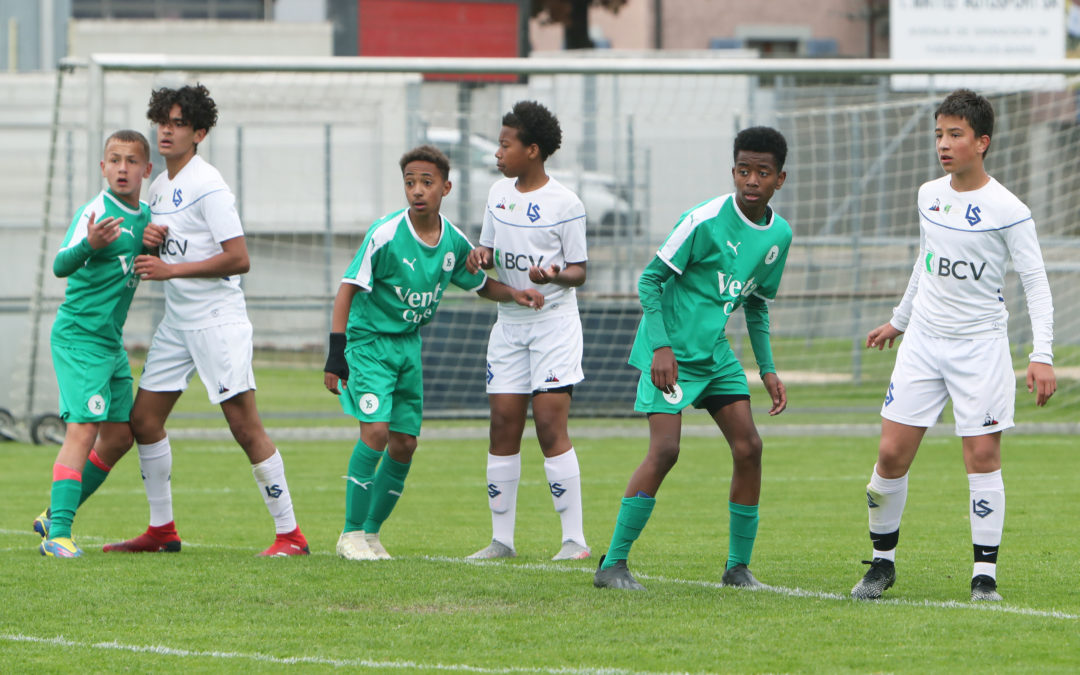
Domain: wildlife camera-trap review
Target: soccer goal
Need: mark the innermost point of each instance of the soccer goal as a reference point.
(310, 148)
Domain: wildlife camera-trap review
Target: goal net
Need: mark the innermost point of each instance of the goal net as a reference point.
(310, 148)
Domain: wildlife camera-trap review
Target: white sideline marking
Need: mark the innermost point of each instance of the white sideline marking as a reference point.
(319, 660)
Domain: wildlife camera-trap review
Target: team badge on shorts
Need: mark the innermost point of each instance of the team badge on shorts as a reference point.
(771, 256)
(448, 261)
(369, 403)
(675, 397)
(96, 404)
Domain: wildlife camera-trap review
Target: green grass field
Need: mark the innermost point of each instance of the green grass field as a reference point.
(215, 607)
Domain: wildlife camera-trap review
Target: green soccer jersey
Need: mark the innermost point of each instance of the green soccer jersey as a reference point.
(100, 283)
(713, 262)
(404, 278)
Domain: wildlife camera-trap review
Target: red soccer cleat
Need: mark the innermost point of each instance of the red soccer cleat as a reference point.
(156, 539)
(290, 543)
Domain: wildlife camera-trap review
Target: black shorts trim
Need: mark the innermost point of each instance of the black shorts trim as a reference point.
(568, 389)
(716, 401)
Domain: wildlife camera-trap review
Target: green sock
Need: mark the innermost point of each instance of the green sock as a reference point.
(92, 478)
(389, 483)
(358, 488)
(741, 533)
(64, 502)
(633, 514)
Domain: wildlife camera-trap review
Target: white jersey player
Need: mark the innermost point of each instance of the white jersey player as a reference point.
(955, 344)
(534, 236)
(201, 253)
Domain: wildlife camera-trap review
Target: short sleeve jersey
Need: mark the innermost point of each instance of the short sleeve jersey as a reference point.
(403, 278)
(542, 227)
(98, 294)
(966, 239)
(719, 258)
(200, 212)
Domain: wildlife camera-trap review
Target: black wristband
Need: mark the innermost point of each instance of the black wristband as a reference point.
(335, 358)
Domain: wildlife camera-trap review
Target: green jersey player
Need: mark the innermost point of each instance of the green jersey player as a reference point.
(393, 287)
(726, 253)
(97, 258)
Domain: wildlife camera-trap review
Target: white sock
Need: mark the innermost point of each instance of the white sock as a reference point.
(885, 498)
(503, 476)
(564, 481)
(155, 464)
(270, 477)
(987, 512)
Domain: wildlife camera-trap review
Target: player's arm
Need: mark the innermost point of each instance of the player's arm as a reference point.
(493, 289)
(336, 368)
(757, 327)
(98, 236)
(665, 368)
(233, 259)
(1023, 245)
(480, 258)
(571, 276)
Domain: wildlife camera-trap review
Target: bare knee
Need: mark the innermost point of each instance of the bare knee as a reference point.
(401, 447)
(746, 452)
(663, 454)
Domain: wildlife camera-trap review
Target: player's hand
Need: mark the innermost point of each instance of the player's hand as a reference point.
(530, 297)
(777, 391)
(1042, 381)
(479, 258)
(665, 370)
(101, 234)
(151, 268)
(154, 235)
(540, 275)
(885, 333)
(336, 368)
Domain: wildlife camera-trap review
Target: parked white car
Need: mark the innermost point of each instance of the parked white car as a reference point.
(608, 214)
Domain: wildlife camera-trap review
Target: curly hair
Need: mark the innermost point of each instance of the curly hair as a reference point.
(196, 106)
(765, 140)
(427, 153)
(535, 124)
(976, 109)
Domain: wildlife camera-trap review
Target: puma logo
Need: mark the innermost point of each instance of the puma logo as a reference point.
(410, 263)
(735, 247)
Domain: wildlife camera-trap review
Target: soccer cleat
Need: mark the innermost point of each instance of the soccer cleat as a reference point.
(496, 549)
(61, 547)
(880, 576)
(616, 576)
(740, 575)
(372, 540)
(984, 589)
(159, 539)
(571, 550)
(353, 546)
(43, 522)
(289, 543)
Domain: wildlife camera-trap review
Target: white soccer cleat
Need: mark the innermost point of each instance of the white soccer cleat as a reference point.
(375, 546)
(353, 546)
(496, 549)
(571, 550)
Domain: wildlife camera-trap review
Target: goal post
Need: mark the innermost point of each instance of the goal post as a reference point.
(310, 148)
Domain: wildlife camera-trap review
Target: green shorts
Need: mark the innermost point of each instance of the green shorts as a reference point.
(95, 385)
(730, 380)
(386, 381)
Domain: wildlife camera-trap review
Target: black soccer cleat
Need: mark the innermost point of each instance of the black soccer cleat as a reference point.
(740, 575)
(984, 589)
(616, 576)
(880, 576)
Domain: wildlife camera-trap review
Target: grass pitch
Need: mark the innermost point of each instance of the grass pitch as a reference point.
(215, 607)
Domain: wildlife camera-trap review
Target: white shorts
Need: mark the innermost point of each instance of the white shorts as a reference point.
(221, 354)
(976, 374)
(538, 356)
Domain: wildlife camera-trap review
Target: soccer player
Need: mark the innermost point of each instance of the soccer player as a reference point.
(202, 253)
(955, 343)
(724, 253)
(393, 287)
(534, 236)
(97, 258)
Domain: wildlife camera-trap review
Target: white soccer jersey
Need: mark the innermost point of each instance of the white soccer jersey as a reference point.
(542, 227)
(957, 287)
(200, 211)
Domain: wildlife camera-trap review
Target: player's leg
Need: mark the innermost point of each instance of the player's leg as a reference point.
(115, 437)
(508, 412)
(982, 459)
(387, 487)
(551, 410)
(66, 488)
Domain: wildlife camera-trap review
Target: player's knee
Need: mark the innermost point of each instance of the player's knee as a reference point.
(664, 455)
(747, 451)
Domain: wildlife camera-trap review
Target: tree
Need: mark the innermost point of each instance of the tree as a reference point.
(574, 17)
